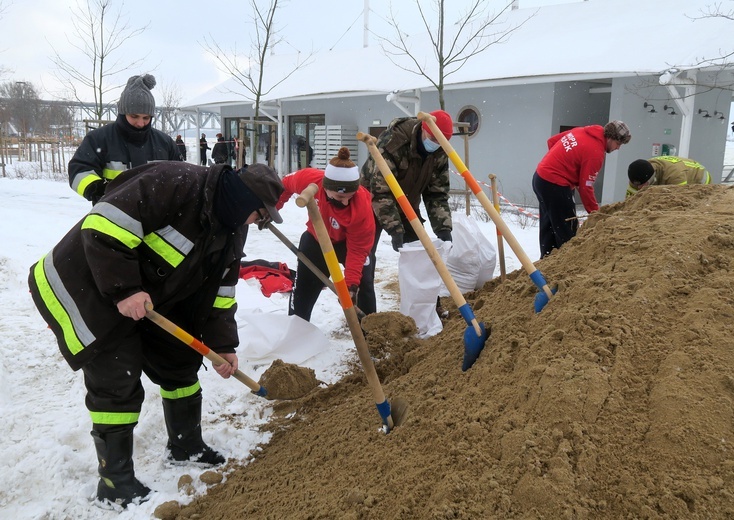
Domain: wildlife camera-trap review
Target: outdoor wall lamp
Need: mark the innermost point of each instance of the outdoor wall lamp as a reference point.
(719, 114)
(704, 112)
(652, 108)
(672, 110)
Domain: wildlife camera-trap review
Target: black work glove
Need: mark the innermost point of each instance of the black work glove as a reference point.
(397, 241)
(95, 191)
(263, 222)
(444, 234)
(353, 290)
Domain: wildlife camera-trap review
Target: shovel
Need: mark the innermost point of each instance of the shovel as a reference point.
(198, 346)
(500, 242)
(308, 263)
(390, 417)
(542, 298)
(475, 336)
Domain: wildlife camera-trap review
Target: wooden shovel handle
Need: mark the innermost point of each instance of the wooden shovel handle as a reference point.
(483, 199)
(410, 214)
(500, 242)
(305, 199)
(308, 263)
(198, 346)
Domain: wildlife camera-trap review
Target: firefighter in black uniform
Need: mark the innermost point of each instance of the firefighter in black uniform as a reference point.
(128, 142)
(167, 233)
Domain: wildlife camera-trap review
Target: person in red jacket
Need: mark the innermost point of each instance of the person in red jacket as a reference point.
(346, 208)
(573, 161)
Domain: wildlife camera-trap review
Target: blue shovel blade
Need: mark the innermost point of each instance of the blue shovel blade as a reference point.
(541, 299)
(473, 345)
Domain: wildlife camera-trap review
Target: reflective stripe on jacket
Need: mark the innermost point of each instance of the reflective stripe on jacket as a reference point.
(104, 154)
(154, 230)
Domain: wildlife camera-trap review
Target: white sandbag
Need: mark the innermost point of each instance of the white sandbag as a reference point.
(419, 285)
(472, 258)
(267, 337)
(267, 334)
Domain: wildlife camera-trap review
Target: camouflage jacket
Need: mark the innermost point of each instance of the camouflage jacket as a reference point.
(420, 174)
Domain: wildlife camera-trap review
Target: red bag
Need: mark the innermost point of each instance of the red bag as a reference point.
(272, 279)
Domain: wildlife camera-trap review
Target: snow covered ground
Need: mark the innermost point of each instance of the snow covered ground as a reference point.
(49, 460)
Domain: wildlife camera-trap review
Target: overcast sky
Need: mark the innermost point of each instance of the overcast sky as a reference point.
(172, 47)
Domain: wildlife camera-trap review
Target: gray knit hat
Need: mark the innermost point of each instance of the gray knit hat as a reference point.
(136, 98)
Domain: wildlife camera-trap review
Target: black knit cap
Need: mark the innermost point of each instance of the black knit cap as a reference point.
(266, 185)
(136, 98)
(640, 171)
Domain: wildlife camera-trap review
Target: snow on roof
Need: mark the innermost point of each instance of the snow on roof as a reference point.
(594, 38)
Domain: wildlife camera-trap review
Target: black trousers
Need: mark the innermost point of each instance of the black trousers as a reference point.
(307, 286)
(558, 222)
(112, 378)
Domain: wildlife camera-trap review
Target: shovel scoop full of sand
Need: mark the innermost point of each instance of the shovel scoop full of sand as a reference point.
(287, 381)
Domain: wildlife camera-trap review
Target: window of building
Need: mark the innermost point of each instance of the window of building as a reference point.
(469, 115)
(301, 132)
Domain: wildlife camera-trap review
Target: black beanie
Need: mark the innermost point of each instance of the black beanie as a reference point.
(136, 98)
(233, 201)
(640, 171)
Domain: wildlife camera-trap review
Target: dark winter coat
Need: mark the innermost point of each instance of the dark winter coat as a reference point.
(420, 175)
(108, 151)
(181, 148)
(219, 152)
(153, 231)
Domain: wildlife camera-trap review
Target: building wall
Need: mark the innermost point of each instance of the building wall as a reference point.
(708, 135)
(517, 120)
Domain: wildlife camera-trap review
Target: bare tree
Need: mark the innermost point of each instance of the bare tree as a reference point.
(249, 69)
(54, 118)
(724, 59)
(452, 47)
(710, 73)
(99, 34)
(170, 102)
(22, 105)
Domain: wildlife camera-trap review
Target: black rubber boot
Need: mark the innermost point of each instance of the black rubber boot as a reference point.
(117, 484)
(183, 422)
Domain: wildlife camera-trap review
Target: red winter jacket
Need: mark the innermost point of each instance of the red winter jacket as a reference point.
(574, 159)
(355, 223)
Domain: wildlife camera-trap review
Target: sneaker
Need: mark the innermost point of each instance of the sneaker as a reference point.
(205, 455)
(122, 494)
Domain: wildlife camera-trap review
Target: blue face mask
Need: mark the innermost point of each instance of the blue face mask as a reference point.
(430, 146)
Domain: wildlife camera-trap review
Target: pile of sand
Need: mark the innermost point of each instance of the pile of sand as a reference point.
(614, 402)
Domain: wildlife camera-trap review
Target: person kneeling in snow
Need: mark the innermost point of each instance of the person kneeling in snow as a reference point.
(346, 209)
(665, 170)
(170, 234)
